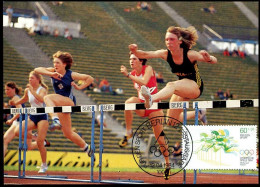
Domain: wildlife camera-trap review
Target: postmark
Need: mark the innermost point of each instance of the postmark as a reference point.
(150, 152)
(223, 147)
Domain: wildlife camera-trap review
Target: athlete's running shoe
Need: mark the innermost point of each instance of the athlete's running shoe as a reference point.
(147, 96)
(47, 143)
(124, 141)
(89, 152)
(43, 168)
(55, 125)
(203, 117)
(167, 172)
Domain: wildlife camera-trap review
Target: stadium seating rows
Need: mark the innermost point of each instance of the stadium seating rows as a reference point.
(106, 43)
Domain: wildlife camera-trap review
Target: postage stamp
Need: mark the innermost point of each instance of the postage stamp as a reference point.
(151, 155)
(223, 147)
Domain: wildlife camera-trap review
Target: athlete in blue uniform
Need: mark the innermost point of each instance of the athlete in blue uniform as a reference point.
(34, 93)
(63, 81)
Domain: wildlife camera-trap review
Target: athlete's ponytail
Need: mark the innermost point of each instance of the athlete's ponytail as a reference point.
(18, 90)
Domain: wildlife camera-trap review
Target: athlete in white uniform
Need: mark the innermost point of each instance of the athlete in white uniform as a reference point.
(34, 93)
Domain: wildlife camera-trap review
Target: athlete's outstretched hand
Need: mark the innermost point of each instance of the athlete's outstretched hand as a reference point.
(124, 70)
(133, 48)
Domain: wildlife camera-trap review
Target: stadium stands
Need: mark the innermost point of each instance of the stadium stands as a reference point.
(105, 48)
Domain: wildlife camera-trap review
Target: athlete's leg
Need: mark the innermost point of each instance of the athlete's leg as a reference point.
(178, 113)
(129, 120)
(65, 118)
(9, 136)
(129, 114)
(42, 128)
(184, 88)
(30, 127)
(157, 130)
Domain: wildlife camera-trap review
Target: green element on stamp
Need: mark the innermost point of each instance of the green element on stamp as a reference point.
(216, 141)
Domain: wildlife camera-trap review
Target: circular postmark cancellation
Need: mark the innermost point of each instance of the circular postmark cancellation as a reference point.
(174, 144)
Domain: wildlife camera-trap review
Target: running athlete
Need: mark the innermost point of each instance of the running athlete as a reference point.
(63, 81)
(144, 75)
(12, 91)
(34, 93)
(183, 62)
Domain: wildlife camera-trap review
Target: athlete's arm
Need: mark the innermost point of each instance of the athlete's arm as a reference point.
(10, 121)
(141, 81)
(39, 96)
(49, 72)
(202, 56)
(18, 102)
(87, 80)
(162, 53)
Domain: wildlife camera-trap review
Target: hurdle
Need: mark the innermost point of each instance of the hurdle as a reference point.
(112, 107)
(62, 109)
(140, 106)
(33, 110)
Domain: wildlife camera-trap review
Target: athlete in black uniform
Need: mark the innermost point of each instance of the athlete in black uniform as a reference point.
(183, 62)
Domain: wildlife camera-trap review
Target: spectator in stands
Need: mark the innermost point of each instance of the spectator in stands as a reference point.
(159, 78)
(177, 149)
(234, 53)
(37, 29)
(241, 54)
(95, 85)
(56, 32)
(67, 34)
(105, 86)
(226, 52)
(228, 95)
(138, 6)
(220, 94)
(98, 120)
(210, 9)
(146, 6)
(9, 11)
(57, 3)
(46, 30)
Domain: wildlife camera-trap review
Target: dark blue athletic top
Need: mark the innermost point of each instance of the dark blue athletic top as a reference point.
(63, 86)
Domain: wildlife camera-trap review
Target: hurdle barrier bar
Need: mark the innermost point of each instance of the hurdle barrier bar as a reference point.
(134, 106)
